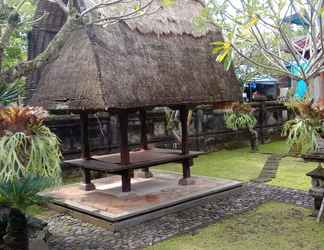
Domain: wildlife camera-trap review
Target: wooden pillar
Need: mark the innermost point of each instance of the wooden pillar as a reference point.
(143, 118)
(123, 129)
(186, 180)
(85, 151)
(262, 118)
(126, 180)
(146, 173)
(198, 127)
(124, 151)
(184, 128)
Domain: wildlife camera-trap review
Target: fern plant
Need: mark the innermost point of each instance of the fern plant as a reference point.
(303, 131)
(26, 145)
(302, 135)
(240, 117)
(235, 120)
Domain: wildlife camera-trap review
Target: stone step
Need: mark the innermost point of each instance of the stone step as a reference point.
(269, 170)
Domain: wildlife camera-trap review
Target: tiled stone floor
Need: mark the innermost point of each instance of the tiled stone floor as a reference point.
(71, 233)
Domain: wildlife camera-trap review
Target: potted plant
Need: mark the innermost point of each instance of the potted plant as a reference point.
(29, 162)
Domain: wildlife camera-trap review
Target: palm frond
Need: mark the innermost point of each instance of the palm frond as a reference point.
(9, 93)
(23, 192)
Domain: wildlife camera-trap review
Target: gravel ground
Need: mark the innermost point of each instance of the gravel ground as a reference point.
(70, 233)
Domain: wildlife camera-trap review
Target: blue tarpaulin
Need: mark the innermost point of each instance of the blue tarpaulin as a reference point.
(301, 89)
(296, 19)
(301, 86)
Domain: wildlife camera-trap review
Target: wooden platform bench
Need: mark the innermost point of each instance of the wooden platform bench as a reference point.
(125, 162)
(142, 159)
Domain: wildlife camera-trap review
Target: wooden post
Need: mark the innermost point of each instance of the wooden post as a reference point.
(123, 129)
(146, 173)
(126, 180)
(186, 180)
(262, 117)
(184, 128)
(124, 151)
(85, 151)
(198, 127)
(143, 117)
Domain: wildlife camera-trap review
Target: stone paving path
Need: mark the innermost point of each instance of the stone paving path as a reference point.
(269, 169)
(71, 233)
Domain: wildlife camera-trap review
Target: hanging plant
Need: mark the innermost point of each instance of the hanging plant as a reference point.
(240, 117)
(302, 135)
(303, 131)
(27, 146)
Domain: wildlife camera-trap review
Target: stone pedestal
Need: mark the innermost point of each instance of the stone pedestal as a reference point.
(318, 194)
(317, 189)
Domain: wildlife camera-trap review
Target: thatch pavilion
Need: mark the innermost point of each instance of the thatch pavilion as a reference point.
(131, 66)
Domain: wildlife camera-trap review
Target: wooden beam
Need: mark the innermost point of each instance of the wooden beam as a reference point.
(146, 173)
(184, 128)
(186, 180)
(126, 181)
(85, 151)
(143, 118)
(262, 117)
(123, 129)
(124, 151)
(85, 146)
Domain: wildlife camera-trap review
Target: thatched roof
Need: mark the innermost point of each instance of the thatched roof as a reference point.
(157, 60)
(42, 33)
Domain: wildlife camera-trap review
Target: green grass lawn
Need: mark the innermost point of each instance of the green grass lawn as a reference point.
(270, 226)
(241, 164)
(276, 147)
(292, 173)
(238, 164)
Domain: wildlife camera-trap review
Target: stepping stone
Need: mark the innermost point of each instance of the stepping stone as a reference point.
(269, 170)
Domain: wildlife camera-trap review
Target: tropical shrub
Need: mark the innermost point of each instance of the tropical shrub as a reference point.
(23, 193)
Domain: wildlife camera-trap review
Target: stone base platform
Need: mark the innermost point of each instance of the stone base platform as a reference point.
(150, 198)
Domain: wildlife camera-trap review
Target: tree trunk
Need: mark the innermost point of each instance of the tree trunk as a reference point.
(49, 54)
